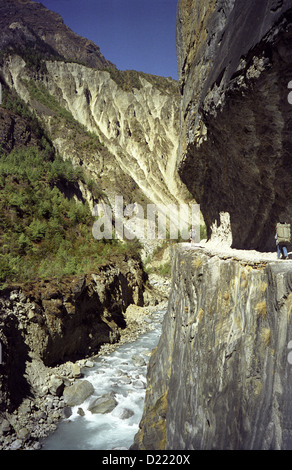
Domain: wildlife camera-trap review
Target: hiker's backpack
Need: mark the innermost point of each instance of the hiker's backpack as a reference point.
(283, 233)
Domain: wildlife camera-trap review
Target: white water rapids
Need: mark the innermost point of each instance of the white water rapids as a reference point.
(119, 373)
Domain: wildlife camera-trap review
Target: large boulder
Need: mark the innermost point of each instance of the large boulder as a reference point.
(56, 385)
(104, 404)
(78, 392)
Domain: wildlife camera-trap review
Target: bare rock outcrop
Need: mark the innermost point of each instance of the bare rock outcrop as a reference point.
(235, 140)
(15, 131)
(220, 377)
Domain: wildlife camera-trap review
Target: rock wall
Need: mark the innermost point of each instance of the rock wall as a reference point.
(57, 321)
(221, 377)
(15, 131)
(234, 61)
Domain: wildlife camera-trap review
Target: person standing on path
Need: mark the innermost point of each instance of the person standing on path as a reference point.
(282, 240)
(192, 234)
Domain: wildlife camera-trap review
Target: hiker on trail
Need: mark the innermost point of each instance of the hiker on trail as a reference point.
(282, 237)
(192, 234)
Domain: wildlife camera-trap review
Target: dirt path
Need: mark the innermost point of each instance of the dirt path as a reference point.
(224, 251)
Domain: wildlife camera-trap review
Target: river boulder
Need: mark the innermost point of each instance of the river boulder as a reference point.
(104, 404)
(78, 392)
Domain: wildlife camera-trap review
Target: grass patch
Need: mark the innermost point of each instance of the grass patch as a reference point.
(164, 269)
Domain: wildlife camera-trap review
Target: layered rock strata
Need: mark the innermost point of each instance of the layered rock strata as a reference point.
(221, 376)
(235, 140)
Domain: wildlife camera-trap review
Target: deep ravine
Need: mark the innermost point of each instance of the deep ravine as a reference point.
(122, 374)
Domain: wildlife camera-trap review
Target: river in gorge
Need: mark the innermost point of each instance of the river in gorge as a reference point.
(122, 374)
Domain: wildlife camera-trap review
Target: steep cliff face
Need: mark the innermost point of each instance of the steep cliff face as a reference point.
(220, 377)
(235, 145)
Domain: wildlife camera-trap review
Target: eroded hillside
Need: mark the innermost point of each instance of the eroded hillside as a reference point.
(138, 128)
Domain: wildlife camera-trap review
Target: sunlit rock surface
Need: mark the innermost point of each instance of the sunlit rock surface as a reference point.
(139, 129)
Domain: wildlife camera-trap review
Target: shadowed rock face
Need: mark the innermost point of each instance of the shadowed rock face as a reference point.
(235, 143)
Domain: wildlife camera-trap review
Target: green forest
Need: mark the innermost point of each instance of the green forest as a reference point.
(43, 233)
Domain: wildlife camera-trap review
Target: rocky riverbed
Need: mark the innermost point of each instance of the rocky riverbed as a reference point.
(115, 387)
(38, 416)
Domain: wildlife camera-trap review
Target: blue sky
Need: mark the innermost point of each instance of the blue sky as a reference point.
(133, 34)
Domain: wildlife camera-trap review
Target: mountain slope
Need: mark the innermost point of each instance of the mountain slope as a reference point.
(117, 130)
(45, 221)
(134, 116)
(27, 24)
